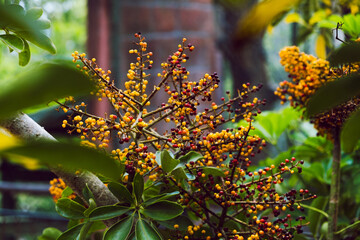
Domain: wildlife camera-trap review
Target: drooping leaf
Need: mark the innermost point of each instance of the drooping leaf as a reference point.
(39, 39)
(121, 192)
(13, 41)
(71, 233)
(70, 209)
(138, 186)
(190, 156)
(346, 53)
(24, 55)
(333, 94)
(162, 210)
(50, 233)
(107, 212)
(34, 13)
(350, 134)
(320, 47)
(144, 231)
(216, 172)
(120, 230)
(70, 156)
(49, 81)
(168, 163)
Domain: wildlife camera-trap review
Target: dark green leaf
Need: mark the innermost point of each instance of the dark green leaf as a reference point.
(70, 209)
(333, 94)
(13, 41)
(190, 156)
(132, 236)
(50, 234)
(162, 210)
(121, 230)
(39, 39)
(138, 186)
(84, 230)
(163, 196)
(350, 134)
(56, 80)
(24, 56)
(92, 206)
(87, 194)
(72, 233)
(347, 53)
(121, 192)
(34, 13)
(168, 163)
(107, 212)
(315, 216)
(216, 172)
(144, 231)
(71, 157)
(179, 173)
(181, 220)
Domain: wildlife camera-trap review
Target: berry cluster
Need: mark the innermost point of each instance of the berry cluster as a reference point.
(308, 74)
(218, 188)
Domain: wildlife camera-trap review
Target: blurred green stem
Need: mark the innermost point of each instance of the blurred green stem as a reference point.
(335, 186)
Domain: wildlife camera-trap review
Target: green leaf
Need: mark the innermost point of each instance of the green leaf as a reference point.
(144, 231)
(350, 134)
(107, 212)
(161, 197)
(121, 192)
(190, 156)
(179, 173)
(70, 209)
(56, 80)
(350, 226)
(66, 192)
(84, 230)
(25, 55)
(168, 163)
(121, 230)
(72, 233)
(39, 39)
(50, 234)
(162, 210)
(92, 206)
(138, 186)
(316, 213)
(71, 157)
(215, 172)
(333, 94)
(13, 41)
(351, 25)
(34, 13)
(180, 220)
(87, 194)
(43, 24)
(346, 53)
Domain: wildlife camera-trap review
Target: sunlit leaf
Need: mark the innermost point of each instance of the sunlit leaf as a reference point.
(24, 55)
(49, 81)
(144, 231)
(34, 13)
(317, 17)
(351, 25)
(320, 47)
(260, 16)
(39, 39)
(71, 157)
(333, 94)
(350, 134)
(121, 230)
(294, 18)
(13, 41)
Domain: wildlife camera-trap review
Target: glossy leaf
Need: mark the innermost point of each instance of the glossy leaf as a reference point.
(138, 186)
(107, 212)
(13, 41)
(190, 156)
(215, 172)
(120, 230)
(168, 163)
(71, 157)
(161, 197)
(56, 80)
(162, 210)
(144, 231)
(66, 192)
(50, 233)
(121, 192)
(350, 134)
(333, 94)
(70, 209)
(24, 55)
(72, 233)
(34, 13)
(346, 53)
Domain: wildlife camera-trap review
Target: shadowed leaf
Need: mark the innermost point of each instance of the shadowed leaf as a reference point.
(347, 53)
(163, 210)
(121, 230)
(144, 231)
(350, 134)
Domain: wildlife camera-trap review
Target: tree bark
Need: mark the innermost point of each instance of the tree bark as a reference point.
(28, 130)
